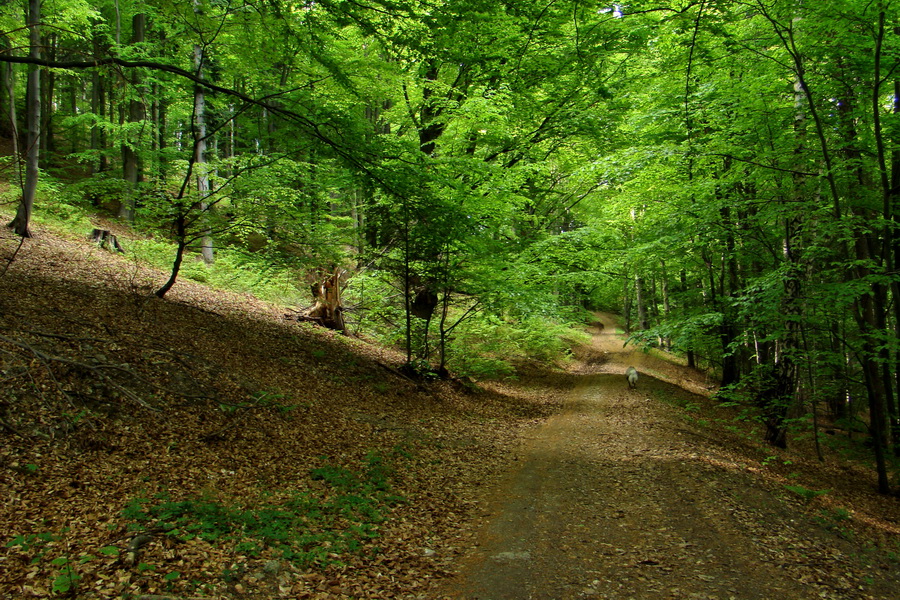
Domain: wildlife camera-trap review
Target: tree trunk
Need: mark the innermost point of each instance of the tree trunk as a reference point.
(48, 89)
(640, 300)
(895, 254)
(329, 308)
(667, 306)
(8, 126)
(131, 169)
(200, 142)
(778, 400)
(22, 220)
(181, 237)
(626, 303)
(9, 91)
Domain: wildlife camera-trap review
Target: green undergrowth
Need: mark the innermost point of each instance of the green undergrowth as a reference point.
(481, 343)
(233, 270)
(310, 527)
(61, 209)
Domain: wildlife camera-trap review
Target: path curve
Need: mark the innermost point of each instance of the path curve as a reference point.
(615, 497)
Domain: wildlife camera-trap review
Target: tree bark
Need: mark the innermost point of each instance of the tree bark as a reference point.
(131, 169)
(8, 126)
(200, 143)
(329, 309)
(48, 89)
(22, 220)
(9, 91)
(640, 300)
(181, 237)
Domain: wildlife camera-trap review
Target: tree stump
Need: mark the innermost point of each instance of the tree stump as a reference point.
(103, 237)
(328, 309)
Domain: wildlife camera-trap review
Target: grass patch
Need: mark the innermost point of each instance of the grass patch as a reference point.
(804, 492)
(306, 528)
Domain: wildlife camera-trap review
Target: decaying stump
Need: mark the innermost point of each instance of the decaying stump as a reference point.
(102, 237)
(328, 310)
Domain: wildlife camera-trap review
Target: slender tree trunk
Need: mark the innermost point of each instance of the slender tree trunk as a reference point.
(667, 306)
(691, 355)
(9, 91)
(131, 169)
(640, 301)
(626, 302)
(8, 126)
(778, 400)
(206, 248)
(22, 220)
(889, 179)
(865, 312)
(181, 238)
(48, 89)
(74, 85)
(895, 254)
(98, 107)
(200, 143)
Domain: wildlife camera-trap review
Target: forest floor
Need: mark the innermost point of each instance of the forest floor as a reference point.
(637, 493)
(175, 448)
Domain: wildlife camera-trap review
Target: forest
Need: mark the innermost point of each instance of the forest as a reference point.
(466, 179)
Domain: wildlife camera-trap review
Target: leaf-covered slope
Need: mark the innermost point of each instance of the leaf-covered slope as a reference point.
(157, 446)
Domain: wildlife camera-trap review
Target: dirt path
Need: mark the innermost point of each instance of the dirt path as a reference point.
(618, 497)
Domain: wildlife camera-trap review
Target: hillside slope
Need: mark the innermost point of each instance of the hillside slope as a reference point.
(114, 400)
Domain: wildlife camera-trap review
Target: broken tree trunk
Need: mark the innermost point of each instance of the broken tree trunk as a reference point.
(328, 309)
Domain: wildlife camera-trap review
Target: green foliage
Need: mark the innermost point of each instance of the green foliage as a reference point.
(493, 333)
(305, 527)
(405, 139)
(836, 521)
(804, 492)
(488, 346)
(61, 569)
(66, 582)
(103, 191)
(54, 206)
(36, 544)
(233, 270)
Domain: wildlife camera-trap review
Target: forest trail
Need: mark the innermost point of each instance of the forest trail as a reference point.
(618, 497)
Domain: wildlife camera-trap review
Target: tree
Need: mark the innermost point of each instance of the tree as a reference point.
(21, 222)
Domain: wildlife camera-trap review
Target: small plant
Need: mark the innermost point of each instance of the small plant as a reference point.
(804, 492)
(36, 542)
(67, 580)
(838, 514)
(143, 567)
